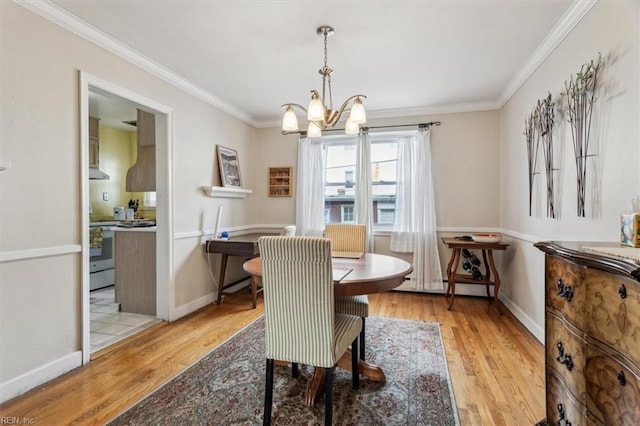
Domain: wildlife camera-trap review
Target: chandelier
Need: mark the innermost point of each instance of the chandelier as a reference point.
(319, 115)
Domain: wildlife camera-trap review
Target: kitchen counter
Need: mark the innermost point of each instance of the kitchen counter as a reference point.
(135, 269)
(135, 229)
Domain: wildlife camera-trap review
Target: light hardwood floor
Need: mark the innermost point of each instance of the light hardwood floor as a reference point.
(496, 365)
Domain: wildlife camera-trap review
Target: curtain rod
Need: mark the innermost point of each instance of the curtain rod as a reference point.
(366, 129)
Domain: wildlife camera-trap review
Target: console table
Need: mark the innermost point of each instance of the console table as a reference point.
(241, 245)
(453, 277)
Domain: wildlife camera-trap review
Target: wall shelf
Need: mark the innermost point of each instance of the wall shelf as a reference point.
(226, 192)
(4, 165)
(280, 181)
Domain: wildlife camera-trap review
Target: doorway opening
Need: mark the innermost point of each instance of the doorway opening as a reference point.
(105, 319)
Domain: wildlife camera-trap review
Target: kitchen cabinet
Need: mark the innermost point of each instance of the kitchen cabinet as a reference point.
(94, 143)
(280, 182)
(135, 265)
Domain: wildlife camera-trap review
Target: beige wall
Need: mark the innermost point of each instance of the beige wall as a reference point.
(40, 224)
(611, 28)
(115, 159)
(465, 154)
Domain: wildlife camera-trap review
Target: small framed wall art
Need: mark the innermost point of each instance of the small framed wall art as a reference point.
(229, 167)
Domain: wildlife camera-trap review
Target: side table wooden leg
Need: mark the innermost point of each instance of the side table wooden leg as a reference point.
(487, 271)
(452, 276)
(223, 269)
(496, 278)
(449, 269)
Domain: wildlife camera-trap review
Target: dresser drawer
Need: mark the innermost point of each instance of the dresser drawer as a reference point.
(562, 405)
(613, 311)
(565, 354)
(613, 391)
(565, 288)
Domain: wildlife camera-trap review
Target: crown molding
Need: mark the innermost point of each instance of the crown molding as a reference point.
(563, 27)
(409, 112)
(64, 19)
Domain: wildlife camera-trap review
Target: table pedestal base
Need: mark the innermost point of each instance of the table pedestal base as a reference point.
(316, 384)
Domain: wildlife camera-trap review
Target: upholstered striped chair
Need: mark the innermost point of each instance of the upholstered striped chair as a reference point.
(301, 325)
(350, 238)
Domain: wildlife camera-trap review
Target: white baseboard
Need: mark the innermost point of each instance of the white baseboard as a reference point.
(31, 379)
(205, 300)
(529, 324)
(192, 306)
(480, 291)
(461, 289)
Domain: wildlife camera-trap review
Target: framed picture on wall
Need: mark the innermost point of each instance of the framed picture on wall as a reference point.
(229, 166)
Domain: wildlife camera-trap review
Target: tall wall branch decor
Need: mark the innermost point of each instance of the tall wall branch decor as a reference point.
(580, 97)
(544, 118)
(532, 152)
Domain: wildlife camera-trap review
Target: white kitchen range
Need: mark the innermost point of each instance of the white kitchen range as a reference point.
(101, 272)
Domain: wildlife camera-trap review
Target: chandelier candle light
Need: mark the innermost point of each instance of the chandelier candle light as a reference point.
(319, 115)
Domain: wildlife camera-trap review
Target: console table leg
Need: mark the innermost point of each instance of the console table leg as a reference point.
(223, 268)
(254, 292)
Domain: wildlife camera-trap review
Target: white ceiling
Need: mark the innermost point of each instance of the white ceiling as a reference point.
(408, 57)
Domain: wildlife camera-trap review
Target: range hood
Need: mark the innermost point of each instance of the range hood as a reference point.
(97, 174)
(141, 177)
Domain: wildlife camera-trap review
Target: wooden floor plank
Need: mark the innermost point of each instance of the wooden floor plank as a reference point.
(496, 365)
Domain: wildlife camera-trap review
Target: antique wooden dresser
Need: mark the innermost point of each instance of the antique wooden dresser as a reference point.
(592, 334)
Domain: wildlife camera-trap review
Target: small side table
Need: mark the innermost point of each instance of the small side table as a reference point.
(487, 256)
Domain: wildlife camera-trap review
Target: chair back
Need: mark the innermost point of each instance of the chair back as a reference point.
(288, 231)
(297, 279)
(346, 236)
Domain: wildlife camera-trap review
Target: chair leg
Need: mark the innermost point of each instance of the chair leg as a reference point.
(268, 394)
(355, 370)
(328, 407)
(295, 372)
(362, 341)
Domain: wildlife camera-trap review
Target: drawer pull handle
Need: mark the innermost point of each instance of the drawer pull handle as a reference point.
(563, 358)
(622, 291)
(564, 290)
(561, 420)
(621, 379)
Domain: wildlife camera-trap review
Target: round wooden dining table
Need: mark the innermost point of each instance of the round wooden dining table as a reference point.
(368, 274)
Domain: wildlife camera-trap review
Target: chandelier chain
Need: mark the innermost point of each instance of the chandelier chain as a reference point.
(325, 49)
(326, 74)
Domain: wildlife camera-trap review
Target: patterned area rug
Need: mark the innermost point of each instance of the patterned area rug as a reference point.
(226, 387)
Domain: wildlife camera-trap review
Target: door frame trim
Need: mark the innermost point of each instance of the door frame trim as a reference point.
(164, 189)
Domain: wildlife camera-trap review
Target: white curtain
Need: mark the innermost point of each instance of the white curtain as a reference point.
(414, 227)
(310, 188)
(364, 197)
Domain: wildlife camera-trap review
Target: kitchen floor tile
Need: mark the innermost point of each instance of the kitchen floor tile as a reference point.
(109, 325)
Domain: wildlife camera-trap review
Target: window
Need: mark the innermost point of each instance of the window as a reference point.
(346, 214)
(385, 213)
(339, 195)
(149, 199)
